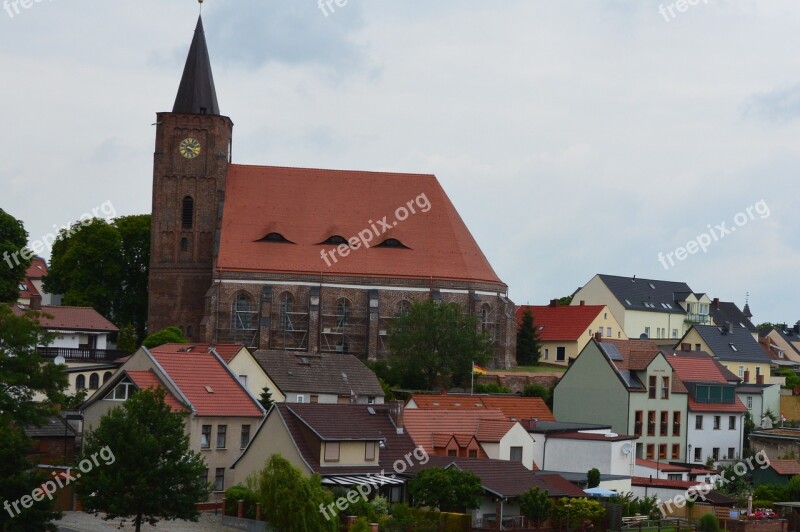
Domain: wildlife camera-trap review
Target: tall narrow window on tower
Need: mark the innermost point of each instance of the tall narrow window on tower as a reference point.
(187, 212)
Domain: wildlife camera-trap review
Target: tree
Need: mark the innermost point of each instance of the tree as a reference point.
(565, 301)
(126, 339)
(436, 342)
(13, 239)
(170, 335)
(105, 266)
(149, 472)
(528, 348)
(292, 502)
(537, 390)
(24, 376)
(576, 511)
(266, 398)
(593, 478)
(792, 489)
(449, 490)
(535, 505)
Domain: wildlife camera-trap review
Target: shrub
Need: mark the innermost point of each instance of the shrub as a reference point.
(234, 494)
(708, 523)
(361, 525)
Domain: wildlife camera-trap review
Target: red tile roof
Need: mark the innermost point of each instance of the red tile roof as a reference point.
(637, 354)
(558, 484)
(738, 406)
(696, 369)
(145, 380)
(512, 407)
(71, 318)
(561, 322)
(37, 269)
(308, 206)
(661, 466)
(785, 467)
(423, 424)
(225, 351)
(492, 431)
(207, 383)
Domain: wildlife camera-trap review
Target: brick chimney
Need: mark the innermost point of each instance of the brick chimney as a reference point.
(759, 379)
(396, 410)
(554, 302)
(715, 303)
(36, 302)
(598, 336)
(747, 375)
(582, 303)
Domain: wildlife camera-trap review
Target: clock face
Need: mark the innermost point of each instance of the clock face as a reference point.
(189, 148)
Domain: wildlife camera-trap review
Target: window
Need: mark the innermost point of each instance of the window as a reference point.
(184, 244)
(665, 387)
(342, 313)
(758, 371)
(698, 422)
(243, 380)
(205, 437)
(651, 451)
(651, 423)
(94, 381)
(676, 423)
(741, 372)
(608, 332)
(80, 382)
(222, 433)
(731, 453)
(485, 317)
(516, 454)
(369, 451)
(244, 313)
(749, 402)
(286, 308)
(301, 398)
(637, 423)
(313, 398)
(332, 451)
(546, 353)
(473, 453)
(733, 347)
(561, 354)
(698, 454)
(204, 476)
(717, 422)
(662, 451)
(451, 452)
(715, 454)
(647, 331)
(676, 451)
(731, 422)
(121, 392)
(664, 425)
(674, 333)
(107, 375)
(187, 212)
(219, 479)
(245, 436)
(698, 347)
(651, 386)
(674, 476)
(371, 400)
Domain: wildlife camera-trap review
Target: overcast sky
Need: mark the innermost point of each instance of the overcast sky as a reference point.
(574, 137)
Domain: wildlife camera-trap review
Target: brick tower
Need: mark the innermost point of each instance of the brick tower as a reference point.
(192, 153)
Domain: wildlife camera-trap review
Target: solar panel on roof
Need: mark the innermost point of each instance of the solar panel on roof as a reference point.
(611, 352)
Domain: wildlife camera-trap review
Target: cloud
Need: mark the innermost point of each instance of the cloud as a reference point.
(780, 105)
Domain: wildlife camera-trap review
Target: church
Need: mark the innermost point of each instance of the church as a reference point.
(300, 260)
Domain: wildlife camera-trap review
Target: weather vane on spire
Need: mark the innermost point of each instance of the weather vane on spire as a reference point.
(201, 6)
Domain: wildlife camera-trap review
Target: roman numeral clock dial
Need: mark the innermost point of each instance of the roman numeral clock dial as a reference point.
(189, 148)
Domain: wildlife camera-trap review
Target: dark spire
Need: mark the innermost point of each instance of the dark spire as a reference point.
(196, 93)
(746, 310)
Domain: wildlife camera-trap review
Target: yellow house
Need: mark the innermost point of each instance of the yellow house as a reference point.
(734, 347)
(565, 330)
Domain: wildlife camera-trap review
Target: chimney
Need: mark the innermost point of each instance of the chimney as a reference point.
(759, 379)
(686, 346)
(796, 327)
(530, 424)
(715, 303)
(583, 303)
(396, 413)
(747, 375)
(36, 302)
(598, 336)
(727, 328)
(553, 302)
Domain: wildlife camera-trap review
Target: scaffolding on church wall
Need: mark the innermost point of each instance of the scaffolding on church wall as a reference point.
(343, 329)
(289, 330)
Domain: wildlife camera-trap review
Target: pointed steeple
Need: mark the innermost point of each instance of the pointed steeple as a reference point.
(196, 93)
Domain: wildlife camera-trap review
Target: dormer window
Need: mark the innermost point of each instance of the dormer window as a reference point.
(392, 243)
(275, 238)
(121, 391)
(335, 240)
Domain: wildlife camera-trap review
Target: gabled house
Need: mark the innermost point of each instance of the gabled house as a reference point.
(647, 307)
(319, 378)
(778, 472)
(733, 346)
(347, 444)
(54, 441)
(513, 407)
(723, 312)
(470, 433)
(31, 291)
(565, 330)
(222, 414)
(787, 339)
(630, 386)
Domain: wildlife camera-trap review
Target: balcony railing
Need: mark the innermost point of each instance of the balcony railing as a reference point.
(72, 354)
(700, 319)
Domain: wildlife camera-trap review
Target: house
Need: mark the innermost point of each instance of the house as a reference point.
(31, 291)
(778, 472)
(758, 398)
(472, 433)
(579, 451)
(776, 442)
(674, 471)
(512, 406)
(629, 385)
(503, 482)
(565, 330)
(647, 307)
(723, 312)
(297, 377)
(734, 347)
(347, 444)
(666, 491)
(787, 339)
(54, 441)
(223, 415)
(715, 416)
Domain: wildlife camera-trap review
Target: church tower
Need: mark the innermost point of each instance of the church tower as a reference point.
(192, 153)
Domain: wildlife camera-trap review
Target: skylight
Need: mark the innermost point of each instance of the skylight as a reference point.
(652, 286)
(391, 243)
(275, 238)
(733, 347)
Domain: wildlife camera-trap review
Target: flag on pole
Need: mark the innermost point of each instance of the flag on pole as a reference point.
(478, 370)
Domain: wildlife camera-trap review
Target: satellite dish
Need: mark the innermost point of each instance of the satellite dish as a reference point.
(59, 360)
(627, 448)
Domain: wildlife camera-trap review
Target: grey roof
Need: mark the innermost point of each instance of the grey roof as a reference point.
(635, 293)
(544, 427)
(319, 373)
(196, 93)
(54, 427)
(727, 311)
(736, 346)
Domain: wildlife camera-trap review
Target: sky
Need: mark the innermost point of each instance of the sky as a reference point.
(574, 137)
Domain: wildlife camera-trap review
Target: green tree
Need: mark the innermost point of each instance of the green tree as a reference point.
(126, 339)
(266, 399)
(528, 347)
(708, 523)
(23, 376)
(292, 502)
(593, 478)
(449, 490)
(576, 511)
(147, 470)
(170, 335)
(535, 505)
(565, 301)
(436, 342)
(792, 489)
(537, 390)
(134, 232)
(13, 239)
(492, 387)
